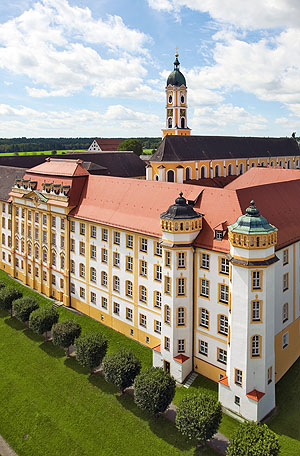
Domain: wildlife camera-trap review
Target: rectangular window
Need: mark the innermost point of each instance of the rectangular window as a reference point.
(256, 280)
(222, 355)
(82, 248)
(181, 316)
(53, 238)
(72, 267)
(157, 299)
(116, 284)
(93, 252)
(104, 255)
(224, 293)
(53, 222)
(129, 314)
(285, 340)
(143, 320)
(167, 285)
(143, 294)
(104, 278)
(223, 325)
(93, 274)
(104, 234)
(181, 286)
(181, 260)
(285, 256)
(23, 213)
(203, 348)
(158, 249)
(256, 311)
(62, 242)
(3, 208)
(62, 223)
(36, 217)
(129, 289)
(82, 292)
(53, 279)
(157, 326)
(93, 298)
(82, 229)
(129, 264)
(17, 212)
(167, 315)
(255, 347)
(204, 318)
(3, 222)
(237, 400)
(143, 245)
(116, 308)
(158, 273)
(224, 266)
(167, 343)
(181, 345)
(104, 302)
(72, 227)
(36, 235)
(116, 258)
(72, 245)
(93, 232)
(129, 241)
(270, 374)
(73, 288)
(218, 235)
(116, 237)
(44, 218)
(285, 312)
(143, 268)
(285, 285)
(82, 270)
(45, 256)
(53, 259)
(238, 377)
(204, 288)
(167, 259)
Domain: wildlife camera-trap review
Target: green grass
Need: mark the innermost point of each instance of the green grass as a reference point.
(45, 152)
(147, 151)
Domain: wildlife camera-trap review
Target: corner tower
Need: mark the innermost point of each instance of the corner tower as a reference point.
(180, 226)
(249, 386)
(176, 103)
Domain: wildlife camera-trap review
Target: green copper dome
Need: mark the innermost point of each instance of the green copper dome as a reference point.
(252, 223)
(176, 78)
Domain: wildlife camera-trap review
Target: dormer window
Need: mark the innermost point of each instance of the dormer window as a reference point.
(218, 235)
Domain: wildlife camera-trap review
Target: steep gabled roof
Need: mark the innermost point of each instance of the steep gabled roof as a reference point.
(108, 143)
(185, 148)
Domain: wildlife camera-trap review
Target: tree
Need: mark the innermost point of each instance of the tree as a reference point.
(253, 439)
(7, 296)
(132, 144)
(154, 390)
(198, 417)
(90, 350)
(64, 333)
(23, 307)
(42, 320)
(121, 368)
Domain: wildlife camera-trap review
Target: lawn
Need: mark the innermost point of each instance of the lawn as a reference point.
(51, 405)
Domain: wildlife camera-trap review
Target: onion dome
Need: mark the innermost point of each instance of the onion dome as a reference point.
(252, 230)
(180, 210)
(252, 222)
(176, 78)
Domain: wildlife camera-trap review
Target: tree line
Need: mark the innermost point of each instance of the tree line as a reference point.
(38, 144)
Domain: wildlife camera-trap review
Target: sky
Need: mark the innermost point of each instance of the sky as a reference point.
(98, 68)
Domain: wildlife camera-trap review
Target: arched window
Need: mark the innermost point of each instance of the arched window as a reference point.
(203, 172)
(170, 98)
(262, 164)
(297, 163)
(129, 288)
(182, 122)
(182, 99)
(272, 163)
(280, 163)
(170, 176)
(170, 122)
(217, 171)
(188, 173)
(93, 275)
(229, 170)
(255, 346)
(241, 168)
(156, 177)
(289, 164)
(252, 165)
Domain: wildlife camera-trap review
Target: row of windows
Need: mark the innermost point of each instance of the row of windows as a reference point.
(223, 263)
(223, 291)
(222, 321)
(221, 353)
(55, 220)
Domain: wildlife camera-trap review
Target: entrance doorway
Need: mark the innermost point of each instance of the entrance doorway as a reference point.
(167, 366)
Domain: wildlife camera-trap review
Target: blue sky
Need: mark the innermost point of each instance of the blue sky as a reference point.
(99, 67)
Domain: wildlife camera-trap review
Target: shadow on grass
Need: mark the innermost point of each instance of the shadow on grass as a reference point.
(14, 323)
(3, 314)
(33, 336)
(99, 381)
(73, 364)
(52, 350)
(160, 426)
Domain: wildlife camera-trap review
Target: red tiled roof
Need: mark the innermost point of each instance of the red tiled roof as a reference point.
(60, 167)
(224, 381)
(108, 144)
(269, 175)
(157, 348)
(255, 395)
(181, 358)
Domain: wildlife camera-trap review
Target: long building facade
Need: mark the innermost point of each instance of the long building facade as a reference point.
(205, 277)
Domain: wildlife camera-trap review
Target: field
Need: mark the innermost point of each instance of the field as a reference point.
(50, 405)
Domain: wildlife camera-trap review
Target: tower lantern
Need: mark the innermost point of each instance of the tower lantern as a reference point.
(176, 103)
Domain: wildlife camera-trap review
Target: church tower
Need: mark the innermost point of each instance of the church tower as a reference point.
(176, 103)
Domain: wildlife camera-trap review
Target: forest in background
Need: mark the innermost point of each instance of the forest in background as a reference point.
(40, 144)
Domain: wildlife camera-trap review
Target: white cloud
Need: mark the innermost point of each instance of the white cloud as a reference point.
(62, 49)
(24, 121)
(254, 14)
(226, 117)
